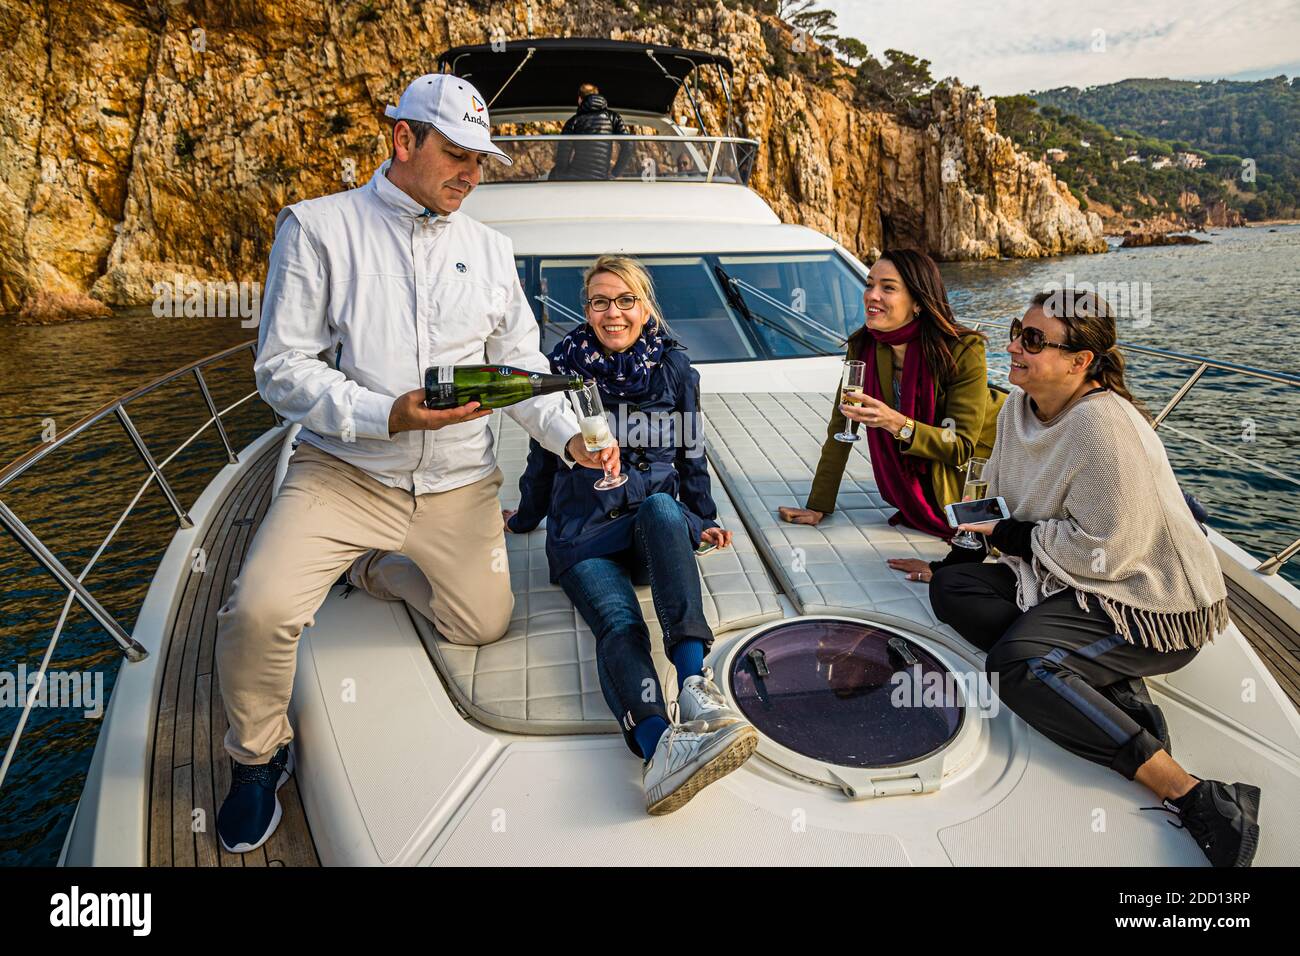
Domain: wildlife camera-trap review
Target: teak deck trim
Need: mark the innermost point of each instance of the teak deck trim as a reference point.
(191, 771)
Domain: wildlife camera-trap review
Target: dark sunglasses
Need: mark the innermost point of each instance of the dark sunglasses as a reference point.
(1033, 340)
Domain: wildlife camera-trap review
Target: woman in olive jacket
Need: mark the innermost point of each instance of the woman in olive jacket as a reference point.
(927, 405)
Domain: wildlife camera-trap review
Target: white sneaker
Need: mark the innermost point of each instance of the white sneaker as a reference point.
(701, 702)
(686, 761)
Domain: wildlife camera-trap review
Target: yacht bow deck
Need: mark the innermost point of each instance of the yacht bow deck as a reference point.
(762, 447)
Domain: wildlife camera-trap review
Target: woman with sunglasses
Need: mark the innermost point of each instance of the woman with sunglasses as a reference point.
(927, 405)
(1105, 576)
(600, 543)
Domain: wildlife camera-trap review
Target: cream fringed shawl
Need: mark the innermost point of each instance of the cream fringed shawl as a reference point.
(1112, 521)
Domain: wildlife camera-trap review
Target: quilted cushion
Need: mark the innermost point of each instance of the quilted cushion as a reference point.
(541, 677)
(765, 447)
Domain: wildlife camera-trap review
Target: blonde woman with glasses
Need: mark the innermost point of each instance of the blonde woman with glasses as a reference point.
(600, 543)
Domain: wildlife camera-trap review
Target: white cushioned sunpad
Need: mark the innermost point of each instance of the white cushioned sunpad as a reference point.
(765, 447)
(541, 677)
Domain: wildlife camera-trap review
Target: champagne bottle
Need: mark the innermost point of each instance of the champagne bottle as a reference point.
(492, 386)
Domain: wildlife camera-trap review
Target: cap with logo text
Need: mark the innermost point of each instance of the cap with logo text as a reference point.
(454, 107)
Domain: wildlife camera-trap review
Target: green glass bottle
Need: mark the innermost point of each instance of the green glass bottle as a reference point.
(492, 386)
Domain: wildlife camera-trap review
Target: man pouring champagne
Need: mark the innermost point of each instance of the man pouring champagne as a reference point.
(389, 279)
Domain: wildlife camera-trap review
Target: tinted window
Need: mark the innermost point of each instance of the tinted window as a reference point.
(801, 304)
(802, 294)
(837, 691)
(688, 294)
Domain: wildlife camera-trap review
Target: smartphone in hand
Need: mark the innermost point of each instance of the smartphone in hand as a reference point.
(977, 511)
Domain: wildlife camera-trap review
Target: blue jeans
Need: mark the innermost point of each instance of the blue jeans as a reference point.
(602, 591)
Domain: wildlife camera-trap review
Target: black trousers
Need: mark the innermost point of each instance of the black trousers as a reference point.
(1050, 662)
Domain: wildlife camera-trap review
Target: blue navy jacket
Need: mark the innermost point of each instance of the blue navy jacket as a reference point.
(583, 523)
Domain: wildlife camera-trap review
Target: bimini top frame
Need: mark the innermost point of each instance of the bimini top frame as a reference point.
(540, 75)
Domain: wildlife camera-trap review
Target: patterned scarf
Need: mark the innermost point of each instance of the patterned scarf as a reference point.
(623, 374)
(899, 476)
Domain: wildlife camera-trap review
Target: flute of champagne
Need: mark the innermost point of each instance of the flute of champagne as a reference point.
(853, 379)
(595, 428)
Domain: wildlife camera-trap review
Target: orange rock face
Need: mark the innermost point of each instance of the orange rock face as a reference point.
(144, 142)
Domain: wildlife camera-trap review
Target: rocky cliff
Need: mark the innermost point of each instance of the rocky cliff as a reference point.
(142, 141)
(1192, 214)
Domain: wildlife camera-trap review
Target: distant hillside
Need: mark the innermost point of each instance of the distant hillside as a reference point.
(1242, 120)
(1132, 181)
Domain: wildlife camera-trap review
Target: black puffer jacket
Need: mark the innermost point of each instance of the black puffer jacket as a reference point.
(589, 159)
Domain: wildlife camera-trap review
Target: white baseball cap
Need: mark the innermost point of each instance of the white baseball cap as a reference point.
(454, 107)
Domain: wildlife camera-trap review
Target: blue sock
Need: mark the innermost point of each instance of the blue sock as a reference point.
(647, 734)
(688, 658)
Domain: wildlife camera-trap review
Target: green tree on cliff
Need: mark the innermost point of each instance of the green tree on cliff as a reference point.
(900, 84)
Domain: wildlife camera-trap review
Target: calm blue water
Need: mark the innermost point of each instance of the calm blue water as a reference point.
(1237, 299)
(49, 377)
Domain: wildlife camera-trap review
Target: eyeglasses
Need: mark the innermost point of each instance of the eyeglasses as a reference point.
(1033, 340)
(600, 303)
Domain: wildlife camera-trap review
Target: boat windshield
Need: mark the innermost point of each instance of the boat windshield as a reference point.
(723, 308)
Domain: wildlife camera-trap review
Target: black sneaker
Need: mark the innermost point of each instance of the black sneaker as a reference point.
(1132, 697)
(251, 811)
(1223, 820)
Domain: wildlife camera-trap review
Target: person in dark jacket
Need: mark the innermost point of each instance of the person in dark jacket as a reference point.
(647, 531)
(590, 159)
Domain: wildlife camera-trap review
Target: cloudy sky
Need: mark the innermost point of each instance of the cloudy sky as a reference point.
(1014, 46)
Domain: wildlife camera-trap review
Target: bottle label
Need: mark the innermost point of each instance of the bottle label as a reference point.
(447, 385)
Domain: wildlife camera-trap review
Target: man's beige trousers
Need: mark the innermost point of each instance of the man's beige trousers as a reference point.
(327, 515)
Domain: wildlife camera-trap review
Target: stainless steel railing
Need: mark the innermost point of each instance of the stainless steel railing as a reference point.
(118, 408)
(1201, 365)
(75, 583)
(650, 158)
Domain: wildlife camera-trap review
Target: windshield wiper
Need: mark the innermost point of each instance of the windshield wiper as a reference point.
(731, 289)
(839, 340)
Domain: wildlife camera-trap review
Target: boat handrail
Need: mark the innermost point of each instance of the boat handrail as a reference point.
(560, 307)
(1271, 564)
(25, 461)
(131, 648)
(802, 318)
(708, 152)
(118, 407)
(656, 137)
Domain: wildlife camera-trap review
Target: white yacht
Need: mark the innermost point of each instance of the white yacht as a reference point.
(412, 750)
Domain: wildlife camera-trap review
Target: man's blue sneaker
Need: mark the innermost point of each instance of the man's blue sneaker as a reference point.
(251, 810)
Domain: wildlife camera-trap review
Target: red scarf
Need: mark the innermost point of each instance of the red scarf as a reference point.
(899, 476)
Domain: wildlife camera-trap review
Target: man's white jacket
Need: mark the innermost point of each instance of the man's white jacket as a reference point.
(363, 293)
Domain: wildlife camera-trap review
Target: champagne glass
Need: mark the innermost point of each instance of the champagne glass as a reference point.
(595, 428)
(853, 380)
(977, 486)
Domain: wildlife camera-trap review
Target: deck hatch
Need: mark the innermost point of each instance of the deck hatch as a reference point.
(851, 694)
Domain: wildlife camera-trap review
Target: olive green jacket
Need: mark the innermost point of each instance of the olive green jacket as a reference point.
(965, 424)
